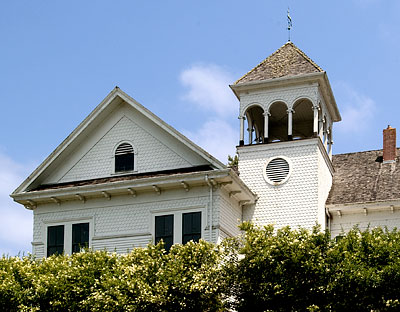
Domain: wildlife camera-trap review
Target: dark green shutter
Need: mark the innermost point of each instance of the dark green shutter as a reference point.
(80, 236)
(55, 240)
(164, 228)
(191, 227)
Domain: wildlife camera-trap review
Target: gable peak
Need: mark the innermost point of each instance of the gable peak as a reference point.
(287, 61)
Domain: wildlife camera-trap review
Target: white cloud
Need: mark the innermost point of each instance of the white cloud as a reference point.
(217, 137)
(208, 88)
(15, 221)
(357, 109)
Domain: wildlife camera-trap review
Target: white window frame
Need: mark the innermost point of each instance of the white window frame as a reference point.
(178, 221)
(67, 232)
(135, 153)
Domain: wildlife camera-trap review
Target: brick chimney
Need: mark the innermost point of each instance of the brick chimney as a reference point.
(389, 144)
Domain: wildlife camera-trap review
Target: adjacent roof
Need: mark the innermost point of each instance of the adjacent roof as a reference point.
(288, 60)
(362, 177)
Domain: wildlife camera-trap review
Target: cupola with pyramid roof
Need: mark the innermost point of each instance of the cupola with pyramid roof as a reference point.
(289, 68)
(288, 109)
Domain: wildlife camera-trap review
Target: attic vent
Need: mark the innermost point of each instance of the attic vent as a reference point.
(124, 158)
(277, 171)
(124, 148)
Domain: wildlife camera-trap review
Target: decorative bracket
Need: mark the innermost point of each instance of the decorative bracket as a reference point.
(56, 200)
(232, 193)
(31, 205)
(106, 195)
(185, 186)
(243, 202)
(81, 197)
(157, 189)
(132, 192)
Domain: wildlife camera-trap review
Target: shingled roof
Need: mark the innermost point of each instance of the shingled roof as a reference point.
(288, 60)
(360, 178)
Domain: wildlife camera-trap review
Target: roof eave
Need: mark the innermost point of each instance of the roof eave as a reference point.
(355, 207)
(329, 93)
(29, 199)
(276, 82)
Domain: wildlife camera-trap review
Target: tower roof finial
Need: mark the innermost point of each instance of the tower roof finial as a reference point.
(289, 21)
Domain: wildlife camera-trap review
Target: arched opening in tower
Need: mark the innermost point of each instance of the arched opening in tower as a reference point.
(255, 125)
(278, 122)
(303, 119)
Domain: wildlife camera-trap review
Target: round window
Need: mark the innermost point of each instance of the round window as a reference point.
(277, 170)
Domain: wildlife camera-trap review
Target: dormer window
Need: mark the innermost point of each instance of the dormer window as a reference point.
(124, 158)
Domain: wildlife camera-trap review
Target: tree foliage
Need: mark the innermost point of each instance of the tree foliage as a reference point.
(262, 270)
(301, 270)
(233, 162)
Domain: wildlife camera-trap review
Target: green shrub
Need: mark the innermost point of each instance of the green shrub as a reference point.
(147, 279)
(262, 270)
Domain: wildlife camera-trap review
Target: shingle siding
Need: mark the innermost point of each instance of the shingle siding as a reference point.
(293, 203)
(125, 222)
(152, 155)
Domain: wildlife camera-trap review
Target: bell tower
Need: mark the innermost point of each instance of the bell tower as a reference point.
(287, 110)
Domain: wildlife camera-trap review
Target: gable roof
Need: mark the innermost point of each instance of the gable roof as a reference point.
(112, 100)
(360, 178)
(288, 60)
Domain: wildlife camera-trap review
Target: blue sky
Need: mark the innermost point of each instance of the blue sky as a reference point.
(59, 59)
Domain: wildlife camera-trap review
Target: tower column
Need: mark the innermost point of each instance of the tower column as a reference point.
(315, 127)
(326, 138)
(266, 120)
(250, 130)
(290, 112)
(241, 142)
(321, 128)
(330, 143)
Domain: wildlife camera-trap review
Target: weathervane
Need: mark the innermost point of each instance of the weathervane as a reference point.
(289, 23)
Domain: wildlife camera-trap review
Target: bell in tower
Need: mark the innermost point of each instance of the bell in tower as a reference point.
(287, 110)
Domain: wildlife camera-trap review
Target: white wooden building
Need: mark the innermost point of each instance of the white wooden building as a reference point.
(124, 178)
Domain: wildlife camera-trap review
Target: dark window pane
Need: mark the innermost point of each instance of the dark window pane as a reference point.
(196, 222)
(165, 230)
(191, 228)
(187, 223)
(80, 236)
(124, 162)
(55, 240)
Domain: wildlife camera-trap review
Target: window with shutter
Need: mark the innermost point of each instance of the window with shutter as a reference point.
(80, 236)
(191, 227)
(164, 228)
(55, 240)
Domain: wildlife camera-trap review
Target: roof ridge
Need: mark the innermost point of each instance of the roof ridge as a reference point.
(360, 152)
